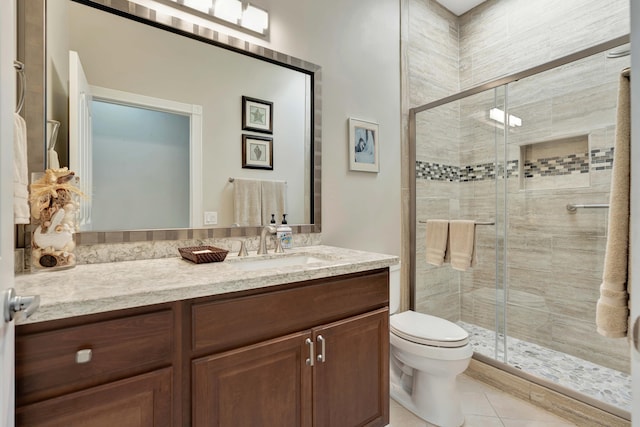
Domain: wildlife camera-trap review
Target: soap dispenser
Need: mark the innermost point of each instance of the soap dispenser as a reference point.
(285, 234)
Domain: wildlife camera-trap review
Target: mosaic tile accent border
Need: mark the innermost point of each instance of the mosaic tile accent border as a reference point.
(437, 172)
(604, 384)
(602, 158)
(598, 159)
(556, 166)
(480, 172)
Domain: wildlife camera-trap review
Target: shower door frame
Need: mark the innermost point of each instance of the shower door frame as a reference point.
(501, 81)
(493, 84)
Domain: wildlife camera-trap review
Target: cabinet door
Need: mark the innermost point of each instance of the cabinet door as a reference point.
(266, 384)
(351, 381)
(141, 401)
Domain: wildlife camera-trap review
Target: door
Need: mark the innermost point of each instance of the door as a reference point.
(80, 145)
(266, 384)
(351, 372)
(7, 106)
(144, 400)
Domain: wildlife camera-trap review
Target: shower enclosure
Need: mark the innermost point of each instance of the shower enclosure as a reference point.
(517, 155)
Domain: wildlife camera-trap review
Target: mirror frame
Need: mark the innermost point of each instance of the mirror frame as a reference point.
(35, 61)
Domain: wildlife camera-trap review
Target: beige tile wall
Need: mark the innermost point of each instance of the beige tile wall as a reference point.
(554, 259)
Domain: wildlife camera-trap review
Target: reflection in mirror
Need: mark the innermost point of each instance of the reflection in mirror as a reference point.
(182, 162)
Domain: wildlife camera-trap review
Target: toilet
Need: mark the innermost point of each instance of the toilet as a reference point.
(427, 354)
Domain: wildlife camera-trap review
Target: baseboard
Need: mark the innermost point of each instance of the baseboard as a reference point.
(563, 405)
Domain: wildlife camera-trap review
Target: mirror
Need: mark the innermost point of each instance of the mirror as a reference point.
(132, 59)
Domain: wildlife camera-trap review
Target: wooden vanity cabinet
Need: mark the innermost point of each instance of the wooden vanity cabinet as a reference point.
(110, 369)
(316, 354)
(311, 353)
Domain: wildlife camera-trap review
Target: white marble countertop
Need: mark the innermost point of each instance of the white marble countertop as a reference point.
(95, 288)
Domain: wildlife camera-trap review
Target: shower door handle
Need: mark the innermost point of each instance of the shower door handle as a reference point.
(635, 334)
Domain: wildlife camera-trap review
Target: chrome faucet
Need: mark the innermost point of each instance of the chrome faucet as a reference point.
(270, 229)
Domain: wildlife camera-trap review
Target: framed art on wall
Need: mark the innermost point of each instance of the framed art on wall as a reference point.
(363, 146)
(257, 115)
(257, 152)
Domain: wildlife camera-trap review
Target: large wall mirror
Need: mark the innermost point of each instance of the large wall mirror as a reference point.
(165, 137)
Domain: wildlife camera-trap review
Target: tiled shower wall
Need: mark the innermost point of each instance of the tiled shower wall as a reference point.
(554, 258)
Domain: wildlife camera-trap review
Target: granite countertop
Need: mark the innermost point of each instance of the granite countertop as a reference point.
(95, 288)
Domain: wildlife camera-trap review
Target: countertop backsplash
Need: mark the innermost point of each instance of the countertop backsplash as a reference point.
(131, 251)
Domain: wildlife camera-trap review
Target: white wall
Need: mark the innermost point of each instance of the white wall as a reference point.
(357, 44)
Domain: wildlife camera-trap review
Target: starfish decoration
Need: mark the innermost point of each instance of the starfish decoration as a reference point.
(257, 115)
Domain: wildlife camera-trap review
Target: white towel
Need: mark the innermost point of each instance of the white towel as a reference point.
(462, 244)
(52, 159)
(21, 213)
(436, 241)
(247, 202)
(274, 200)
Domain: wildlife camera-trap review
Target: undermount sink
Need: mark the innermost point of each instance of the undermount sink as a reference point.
(277, 262)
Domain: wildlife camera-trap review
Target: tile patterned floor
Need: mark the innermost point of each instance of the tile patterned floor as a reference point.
(485, 406)
(607, 385)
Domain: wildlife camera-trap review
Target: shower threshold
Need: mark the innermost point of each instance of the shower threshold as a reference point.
(607, 385)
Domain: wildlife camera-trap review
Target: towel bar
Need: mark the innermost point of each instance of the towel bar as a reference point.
(477, 222)
(573, 208)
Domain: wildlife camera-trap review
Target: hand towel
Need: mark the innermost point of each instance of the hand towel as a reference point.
(462, 244)
(274, 200)
(612, 308)
(52, 159)
(437, 239)
(247, 202)
(21, 213)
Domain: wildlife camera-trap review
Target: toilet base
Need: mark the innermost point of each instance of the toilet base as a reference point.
(438, 402)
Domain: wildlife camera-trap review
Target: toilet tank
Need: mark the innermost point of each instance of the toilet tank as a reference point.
(394, 288)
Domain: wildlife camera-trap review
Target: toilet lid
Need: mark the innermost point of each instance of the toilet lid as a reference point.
(428, 330)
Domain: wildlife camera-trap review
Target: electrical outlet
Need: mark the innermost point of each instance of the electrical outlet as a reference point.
(210, 218)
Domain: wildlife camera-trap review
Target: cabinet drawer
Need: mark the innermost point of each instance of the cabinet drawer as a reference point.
(226, 324)
(46, 363)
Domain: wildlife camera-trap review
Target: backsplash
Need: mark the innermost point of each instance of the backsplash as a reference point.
(138, 250)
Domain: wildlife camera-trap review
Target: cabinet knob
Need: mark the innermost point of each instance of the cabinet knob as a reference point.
(84, 356)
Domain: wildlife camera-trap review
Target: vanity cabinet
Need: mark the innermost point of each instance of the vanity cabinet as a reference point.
(311, 353)
(316, 354)
(99, 370)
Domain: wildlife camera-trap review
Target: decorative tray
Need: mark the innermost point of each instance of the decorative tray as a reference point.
(202, 254)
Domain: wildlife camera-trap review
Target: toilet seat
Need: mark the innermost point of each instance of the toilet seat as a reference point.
(428, 330)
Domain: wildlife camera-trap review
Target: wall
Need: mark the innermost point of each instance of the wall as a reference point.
(554, 258)
(356, 44)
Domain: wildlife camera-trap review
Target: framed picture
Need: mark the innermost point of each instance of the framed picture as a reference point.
(257, 115)
(363, 146)
(257, 152)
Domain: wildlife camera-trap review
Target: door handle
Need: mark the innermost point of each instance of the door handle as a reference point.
(312, 352)
(635, 334)
(322, 356)
(14, 304)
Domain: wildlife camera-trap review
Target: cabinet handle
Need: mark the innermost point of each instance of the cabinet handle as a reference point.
(84, 356)
(311, 351)
(322, 357)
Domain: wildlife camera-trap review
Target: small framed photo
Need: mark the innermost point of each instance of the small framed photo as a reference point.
(257, 115)
(257, 152)
(363, 146)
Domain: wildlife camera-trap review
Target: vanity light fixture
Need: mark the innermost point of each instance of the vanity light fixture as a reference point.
(228, 10)
(237, 14)
(498, 115)
(201, 5)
